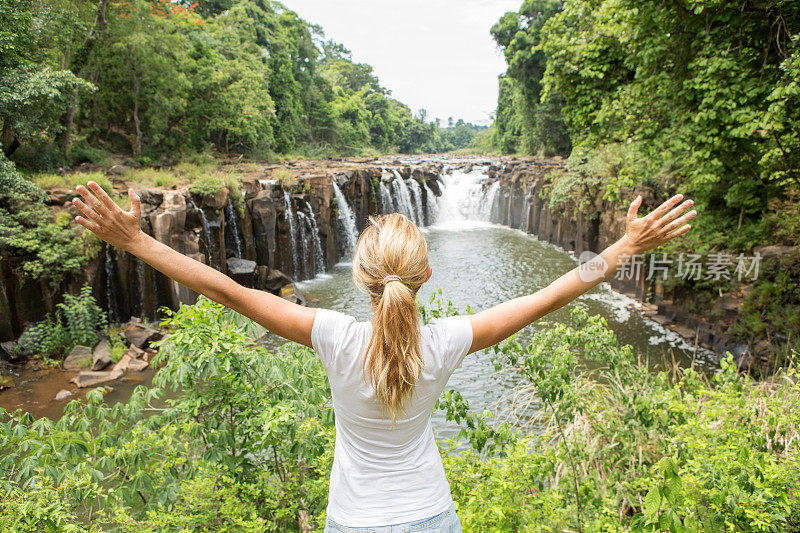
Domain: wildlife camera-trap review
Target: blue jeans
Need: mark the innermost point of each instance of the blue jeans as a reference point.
(446, 522)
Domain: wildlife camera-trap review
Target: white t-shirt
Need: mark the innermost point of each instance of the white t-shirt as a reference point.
(383, 475)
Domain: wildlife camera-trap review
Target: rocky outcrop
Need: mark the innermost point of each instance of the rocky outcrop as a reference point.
(524, 202)
(282, 226)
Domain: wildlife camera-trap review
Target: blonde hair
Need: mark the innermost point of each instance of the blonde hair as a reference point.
(390, 265)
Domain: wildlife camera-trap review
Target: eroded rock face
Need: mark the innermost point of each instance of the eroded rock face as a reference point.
(196, 225)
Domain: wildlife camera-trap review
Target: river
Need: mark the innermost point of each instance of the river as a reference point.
(475, 263)
(480, 264)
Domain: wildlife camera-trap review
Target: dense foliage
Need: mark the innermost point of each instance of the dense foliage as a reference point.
(247, 445)
(157, 78)
(699, 98)
(77, 320)
(44, 247)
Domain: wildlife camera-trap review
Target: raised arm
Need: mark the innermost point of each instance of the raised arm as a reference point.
(122, 229)
(666, 222)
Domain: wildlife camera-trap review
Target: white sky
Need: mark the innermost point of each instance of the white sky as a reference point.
(436, 54)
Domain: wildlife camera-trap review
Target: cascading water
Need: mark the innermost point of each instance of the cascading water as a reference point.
(347, 218)
(402, 197)
(430, 202)
(206, 234)
(417, 193)
(303, 229)
(153, 274)
(232, 218)
(464, 203)
(490, 199)
(140, 282)
(111, 293)
(292, 231)
(387, 205)
(319, 258)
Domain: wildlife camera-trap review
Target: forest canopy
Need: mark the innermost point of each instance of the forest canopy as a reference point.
(158, 79)
(701, 96)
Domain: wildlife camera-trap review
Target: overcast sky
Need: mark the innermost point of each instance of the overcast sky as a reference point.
(436, 54)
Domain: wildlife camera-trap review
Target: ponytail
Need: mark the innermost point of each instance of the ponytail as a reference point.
(390, 264)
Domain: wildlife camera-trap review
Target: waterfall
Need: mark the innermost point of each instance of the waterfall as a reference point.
(153, 275)
(403, 197)
(232, 218)
(430, 201)
(111, 294)
(303, 229)
(490, 199)
(206, 233)
(140, 282)
(292, 230)
(464, 203)
(417, 190)
(319, 258)
(347, 217)
(387, 205)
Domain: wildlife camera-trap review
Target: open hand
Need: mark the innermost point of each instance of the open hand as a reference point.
(106, 219)
(660, 226)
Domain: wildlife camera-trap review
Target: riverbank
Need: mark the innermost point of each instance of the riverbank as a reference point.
(270, 226)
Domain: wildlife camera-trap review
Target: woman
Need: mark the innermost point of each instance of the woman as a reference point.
(385, 374)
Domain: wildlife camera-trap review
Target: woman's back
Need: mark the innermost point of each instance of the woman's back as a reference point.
(383, 474)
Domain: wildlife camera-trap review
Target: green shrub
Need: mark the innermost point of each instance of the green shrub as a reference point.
(207, 185)
(78, 320)
(617, 447)
(83, 153)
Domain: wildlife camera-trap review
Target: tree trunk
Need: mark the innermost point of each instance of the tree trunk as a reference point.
(137, 144)
(9, 140)
(78, 64)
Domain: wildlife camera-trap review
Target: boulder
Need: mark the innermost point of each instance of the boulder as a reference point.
(60, 196)
(129, 363)
(275, 281)
(775, 250)
(242, 271)
(119, 170)
(63, 394)
(90, 378)
(9, 351)
(139, 335)
(101, 355)
(288, 292)
(727, 302)
(79, 358)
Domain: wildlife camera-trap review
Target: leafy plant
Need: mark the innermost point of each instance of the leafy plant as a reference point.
(77, 320)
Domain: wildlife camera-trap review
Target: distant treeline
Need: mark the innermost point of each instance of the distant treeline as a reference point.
(156, 79)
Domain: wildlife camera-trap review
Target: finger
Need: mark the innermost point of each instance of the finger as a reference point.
(91, 200)
(666, 206)
(103, 195)
(633, 210)
(681, 221)
(136, 203)
(679, 231)
(86, 210)
(88, 224)
(675, 213)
